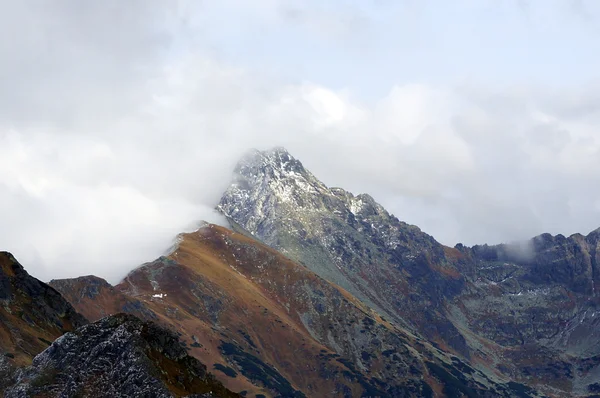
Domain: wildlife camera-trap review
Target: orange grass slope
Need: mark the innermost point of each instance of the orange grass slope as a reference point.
(243, 306)
(264, 324)
(200, 291)
(95, 298)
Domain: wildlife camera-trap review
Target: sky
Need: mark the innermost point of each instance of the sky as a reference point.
(121, 122)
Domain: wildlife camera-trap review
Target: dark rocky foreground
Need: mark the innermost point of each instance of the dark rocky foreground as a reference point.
(118, 356)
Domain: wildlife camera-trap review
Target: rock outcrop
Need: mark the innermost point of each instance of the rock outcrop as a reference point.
(118, 356)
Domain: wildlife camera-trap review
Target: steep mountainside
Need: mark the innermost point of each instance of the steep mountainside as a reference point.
(527, 311)
(349, 240)
(118, 356)
(272, 326)
(32, 314)
(538, 299)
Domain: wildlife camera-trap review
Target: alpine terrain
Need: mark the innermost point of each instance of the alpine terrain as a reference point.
(527, 311)
(312, 291)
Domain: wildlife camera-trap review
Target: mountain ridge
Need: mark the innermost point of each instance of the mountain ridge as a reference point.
(343, 341)
(318, 291)
(347, 235)
(446, 293)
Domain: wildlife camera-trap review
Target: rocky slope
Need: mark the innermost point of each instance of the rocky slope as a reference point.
(340, 299)
(349, 240)
(537, 300)
(527, 311)
(273, 327)
(32, 314)
(118, 356)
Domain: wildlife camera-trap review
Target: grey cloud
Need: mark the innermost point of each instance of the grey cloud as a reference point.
(62, 59)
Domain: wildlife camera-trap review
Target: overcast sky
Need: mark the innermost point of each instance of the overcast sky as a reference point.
(121, 121)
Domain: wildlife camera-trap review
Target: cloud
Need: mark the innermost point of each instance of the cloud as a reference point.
(120, 126)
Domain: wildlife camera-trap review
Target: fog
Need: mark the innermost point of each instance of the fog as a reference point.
(121, 122)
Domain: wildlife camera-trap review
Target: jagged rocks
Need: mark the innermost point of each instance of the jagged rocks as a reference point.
(118, 356)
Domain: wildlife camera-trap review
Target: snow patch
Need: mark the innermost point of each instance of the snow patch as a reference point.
(356, 205)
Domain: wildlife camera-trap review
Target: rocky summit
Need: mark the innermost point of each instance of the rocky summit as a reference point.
(527, 310)
(350, 240)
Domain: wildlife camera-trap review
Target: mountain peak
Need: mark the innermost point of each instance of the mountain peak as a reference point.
(91, 285)
(339, 236)
(594, 235)
(265, 180)
(276, 162)
(278, 151)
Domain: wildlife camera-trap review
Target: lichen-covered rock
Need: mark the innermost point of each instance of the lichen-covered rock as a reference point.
(118, 356)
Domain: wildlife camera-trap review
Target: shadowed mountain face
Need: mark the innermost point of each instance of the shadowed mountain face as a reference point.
(538, 302)
(528, 310)
(32, 314)
(118, 356)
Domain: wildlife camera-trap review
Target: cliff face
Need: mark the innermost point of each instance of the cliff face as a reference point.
(546, 286)
(32, 314)
(550, 260)
(537, 301)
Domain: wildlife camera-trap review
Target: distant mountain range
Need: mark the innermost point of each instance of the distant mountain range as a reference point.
(312, 292)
